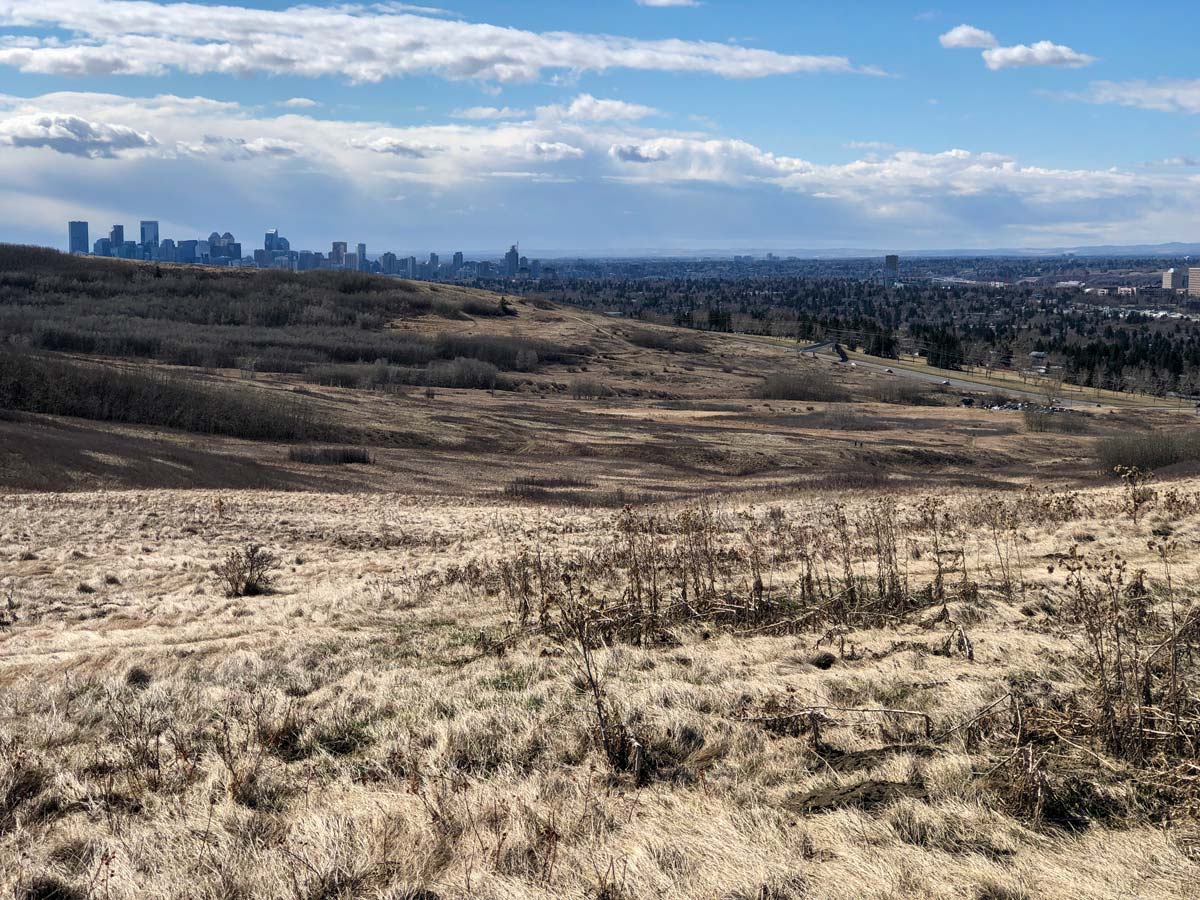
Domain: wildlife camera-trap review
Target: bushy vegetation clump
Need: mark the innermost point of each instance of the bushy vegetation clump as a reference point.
(812, 386)
(1148, 450)
(107, 393)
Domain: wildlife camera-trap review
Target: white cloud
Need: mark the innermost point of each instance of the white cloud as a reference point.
(967, 36)
(1043, 53)
(299, 103)
(365, 43)
(72, 135)
(668, 2)
(553, 150)
(587, 108)
(484, 113)
(395, 147)
(1162, 96)
(358, 166)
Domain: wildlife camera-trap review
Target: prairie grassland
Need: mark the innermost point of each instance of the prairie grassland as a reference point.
(837, 697)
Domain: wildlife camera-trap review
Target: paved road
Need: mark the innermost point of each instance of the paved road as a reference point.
(962, 384)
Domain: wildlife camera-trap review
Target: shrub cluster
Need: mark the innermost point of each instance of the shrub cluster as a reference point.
(1148, 450)
(330, 456)
(815, 386)
(31, 383)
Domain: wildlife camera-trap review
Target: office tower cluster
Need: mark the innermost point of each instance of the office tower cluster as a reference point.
(277, 253)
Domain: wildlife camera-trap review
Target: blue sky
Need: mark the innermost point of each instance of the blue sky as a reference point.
(606, 125)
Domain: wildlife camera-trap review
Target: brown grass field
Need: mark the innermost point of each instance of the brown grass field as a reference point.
(668, 642)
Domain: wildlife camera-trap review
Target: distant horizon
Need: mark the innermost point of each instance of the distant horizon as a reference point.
(1164, 249)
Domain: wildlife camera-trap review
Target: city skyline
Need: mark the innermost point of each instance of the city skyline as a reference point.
(276, 252)
(610, 126)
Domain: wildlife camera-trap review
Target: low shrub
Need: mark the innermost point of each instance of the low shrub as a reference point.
(1148, 451)
(665, 340)
(818, 386)
(905, 393)
(330, 456)
(105, 393)
(248, 572)
(589, 389)
(1042, 421)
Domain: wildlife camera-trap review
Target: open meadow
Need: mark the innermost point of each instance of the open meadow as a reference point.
(418, 592)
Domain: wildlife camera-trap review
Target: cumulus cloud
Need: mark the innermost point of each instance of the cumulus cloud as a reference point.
(587, 108)
(365, 43)
(1043, 53)
(1173, 96)
(967, 36)
(72, 135)
(638, 153)
(945, 194)
(299, 103)
(235, 148)
(996, 57)
(553, 150)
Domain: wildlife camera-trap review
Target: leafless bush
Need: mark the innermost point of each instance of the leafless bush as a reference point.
(330, 456)
(813, 385)
(1058, 422)
(1148, 451)
(248, 572)
(589, 389)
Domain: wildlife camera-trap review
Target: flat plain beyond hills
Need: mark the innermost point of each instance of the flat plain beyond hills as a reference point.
(341, 587)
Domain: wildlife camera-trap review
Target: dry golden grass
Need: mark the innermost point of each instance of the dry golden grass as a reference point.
(380, 725)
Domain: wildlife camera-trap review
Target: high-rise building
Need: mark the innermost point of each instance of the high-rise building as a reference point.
(389, 263)
(270, 240)
(434, 262)
(1193, 282)
(458, 262)
(116, 237)
(337, 256)
(362, 258)
(350, 260)
(77, 237)
(102, 247)
(187, 251)
(891, 266)
(512, 261)
(1175, 279)
(149, 233)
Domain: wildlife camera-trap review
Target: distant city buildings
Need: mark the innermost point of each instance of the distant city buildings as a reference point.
(891, 267)
(1175, 280)
(1193, 282)
(77, 237)
(149, 233)
(222, 249)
